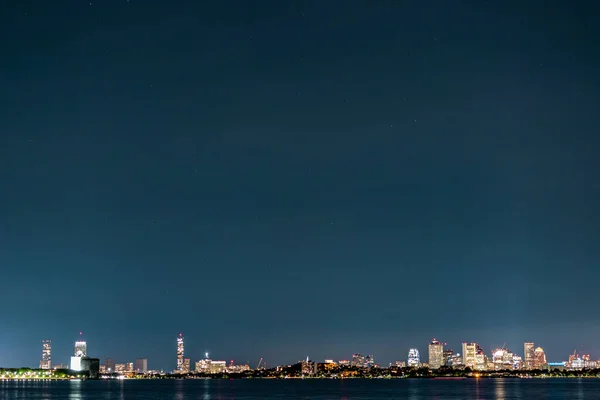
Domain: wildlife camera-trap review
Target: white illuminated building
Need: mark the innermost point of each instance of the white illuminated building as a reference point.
(414, 360)
(80, 352)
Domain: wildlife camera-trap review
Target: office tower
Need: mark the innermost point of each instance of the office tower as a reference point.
(110, 365)
(528, 354)
(141, 365)
(539, 358)
(480, 359)
(186, 365)
(436, 354)
(447, 356)
(80, 349)
(80, 352)
(469, 351)
(46, 361)
(414, 360)
(180, 353)
(369, 361)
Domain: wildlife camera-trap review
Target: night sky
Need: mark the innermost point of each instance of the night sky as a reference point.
(284, 179)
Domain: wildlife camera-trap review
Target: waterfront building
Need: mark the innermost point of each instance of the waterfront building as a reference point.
(180, 352)
(79, 353)
(400, 364)
(186, 365)
(236, 369)
(469, 353)
(344, 363)
(129, 367)
(120, 368)
(480, 360)
(110, 365)
(539, 358)
(505, 359)
(436, 354)
(414, 360)
(141, 365)
(528, 355)
(91, 365)
(46, 361)
(456, 360)
(447, 356)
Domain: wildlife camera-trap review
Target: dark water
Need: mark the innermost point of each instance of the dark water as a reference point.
(530, 389)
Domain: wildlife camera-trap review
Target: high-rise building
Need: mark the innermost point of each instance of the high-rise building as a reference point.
(539, 358)
(186, 365)
(80, 352)
(46, 361)
(436, 354)
(180, 353)
(469, 351)
(141, 365)
(80, 349)
(109, 365)
(414, 360)
(528, 354)
(448, 357)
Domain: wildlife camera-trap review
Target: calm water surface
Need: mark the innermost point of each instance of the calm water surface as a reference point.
(412, 389)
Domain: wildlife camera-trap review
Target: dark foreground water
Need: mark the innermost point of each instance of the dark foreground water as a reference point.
(412, 389)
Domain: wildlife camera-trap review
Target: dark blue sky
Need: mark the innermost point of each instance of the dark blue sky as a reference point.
(280, 179)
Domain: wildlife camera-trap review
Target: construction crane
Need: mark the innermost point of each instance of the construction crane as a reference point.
(260, 362)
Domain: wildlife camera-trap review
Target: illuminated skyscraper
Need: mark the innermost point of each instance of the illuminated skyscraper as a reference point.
(186, 365)
(469, 354)
(180, 354)
(46, 361)
(80, 349)
(539, 358)
(414, 360)
(436, 354)
(528, 354)
(79, 353)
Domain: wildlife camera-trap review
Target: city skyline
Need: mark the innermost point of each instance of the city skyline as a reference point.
(471, 349)
(278, 179)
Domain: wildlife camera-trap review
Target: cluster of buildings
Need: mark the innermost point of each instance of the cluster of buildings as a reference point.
(471, 356)
(205, 365)
(474, 357)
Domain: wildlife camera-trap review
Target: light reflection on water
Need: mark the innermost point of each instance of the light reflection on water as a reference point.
(350, 389)
(499, 392)
(75, 390)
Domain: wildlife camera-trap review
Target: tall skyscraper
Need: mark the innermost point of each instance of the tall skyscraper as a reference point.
(180, 354)
(469, 354)
(46, 361)
(79, 353)
(528, 354)
(436, 354)
(414, 360)
(80, 349)
(141, 365)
